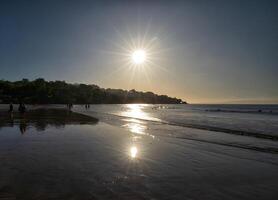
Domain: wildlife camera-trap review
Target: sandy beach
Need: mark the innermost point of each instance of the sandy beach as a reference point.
(89, 159)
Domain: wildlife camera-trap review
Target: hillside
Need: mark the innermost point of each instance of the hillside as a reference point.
(41, 91)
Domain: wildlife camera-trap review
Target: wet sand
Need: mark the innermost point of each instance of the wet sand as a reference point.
(81, 158)
(47, 116)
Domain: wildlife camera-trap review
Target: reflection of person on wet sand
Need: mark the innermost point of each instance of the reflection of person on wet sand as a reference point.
(11, 108)
(22, 126)
(11, 122)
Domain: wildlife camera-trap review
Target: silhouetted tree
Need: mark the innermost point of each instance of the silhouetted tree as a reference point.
(40, 91)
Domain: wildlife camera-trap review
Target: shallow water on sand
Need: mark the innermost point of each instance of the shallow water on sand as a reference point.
(253, 119)
(142, 119)
(103, 161)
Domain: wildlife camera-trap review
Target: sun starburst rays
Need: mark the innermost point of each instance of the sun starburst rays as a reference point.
(137, 57)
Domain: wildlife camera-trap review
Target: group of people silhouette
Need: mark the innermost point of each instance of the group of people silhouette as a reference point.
(21, 108)
(69, 106)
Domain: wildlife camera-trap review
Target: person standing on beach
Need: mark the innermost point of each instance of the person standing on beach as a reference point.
(11, 107)
(70, 105)
(22, 108)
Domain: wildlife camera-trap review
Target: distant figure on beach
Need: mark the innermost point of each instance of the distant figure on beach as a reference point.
(22, 108)
(87, 106)
(69, 105)
(11, 107)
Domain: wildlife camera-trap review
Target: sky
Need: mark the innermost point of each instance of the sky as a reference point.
(201, 51)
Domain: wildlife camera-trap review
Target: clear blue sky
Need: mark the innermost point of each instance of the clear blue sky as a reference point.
(203, 51)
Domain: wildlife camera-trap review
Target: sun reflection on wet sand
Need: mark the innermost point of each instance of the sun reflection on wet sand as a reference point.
(133, 152)
(135, 124)
(136, 128)
(135, 121)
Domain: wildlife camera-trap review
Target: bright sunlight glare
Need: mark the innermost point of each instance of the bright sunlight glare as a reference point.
(138, 56)
(133, 152)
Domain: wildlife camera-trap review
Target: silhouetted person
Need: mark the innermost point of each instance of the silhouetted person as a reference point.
(11, 107)
(70, 106)
(22, 108)
(11, 122)
(19, 107)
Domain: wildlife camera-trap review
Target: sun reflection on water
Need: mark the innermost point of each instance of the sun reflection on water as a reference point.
(137, 111)
(133, 152)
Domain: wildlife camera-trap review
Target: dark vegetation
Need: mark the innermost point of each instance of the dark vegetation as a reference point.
(40, 91)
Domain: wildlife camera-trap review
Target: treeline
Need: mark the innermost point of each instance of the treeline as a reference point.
(40, 91)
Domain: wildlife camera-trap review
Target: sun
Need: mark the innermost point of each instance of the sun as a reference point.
(138, 56)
